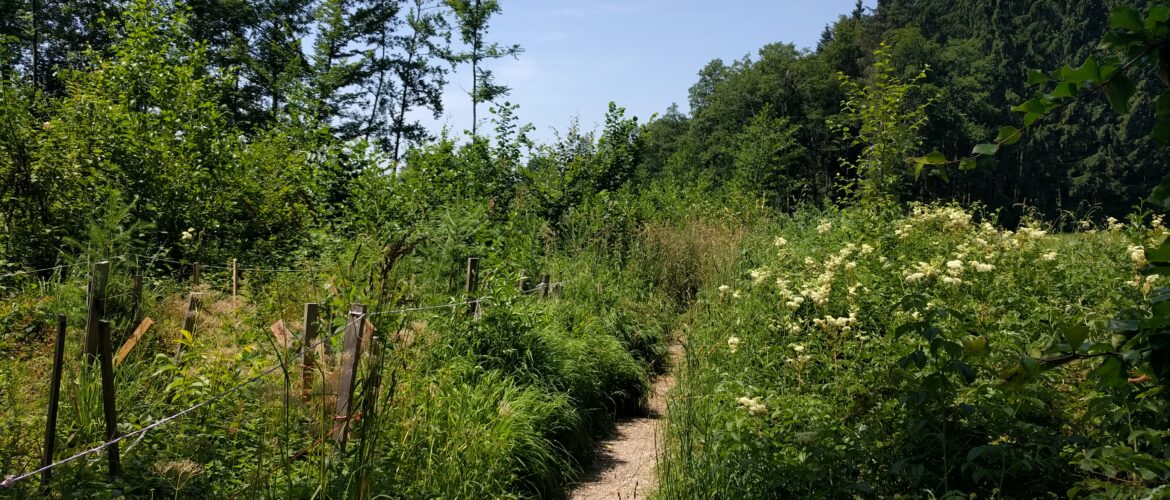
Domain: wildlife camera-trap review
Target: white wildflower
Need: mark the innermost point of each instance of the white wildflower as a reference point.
(733, 344)
(752, 405)
(824, 227)
(1137, 254)
(1048, 257)
(982, 267)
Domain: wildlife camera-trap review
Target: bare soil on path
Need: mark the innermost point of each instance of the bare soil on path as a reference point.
(624, 465)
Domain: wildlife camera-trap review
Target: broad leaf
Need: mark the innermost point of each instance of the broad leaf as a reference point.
(1119, 90)
(1008, 135)
(985, 149)
(1125, 17)
(1037, 77)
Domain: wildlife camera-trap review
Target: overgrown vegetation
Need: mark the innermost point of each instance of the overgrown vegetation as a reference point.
(860, 317)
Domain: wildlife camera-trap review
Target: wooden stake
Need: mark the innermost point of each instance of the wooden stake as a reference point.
(522, 284)
(472, 283)
(195, 274)
(308, 362)
(544, 284)
(108, 406)
(95, 306)
(235, 282)
(54, 398)
(189, 320)
(132, 341)
(351, 353)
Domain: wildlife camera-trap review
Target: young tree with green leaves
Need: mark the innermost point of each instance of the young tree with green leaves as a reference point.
(472, 17)
(884, 121)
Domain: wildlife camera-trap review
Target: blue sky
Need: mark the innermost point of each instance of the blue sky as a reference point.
(641, 54)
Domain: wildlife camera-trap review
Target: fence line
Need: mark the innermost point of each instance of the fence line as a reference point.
(228, 268)
(54, 268)
(140, 432)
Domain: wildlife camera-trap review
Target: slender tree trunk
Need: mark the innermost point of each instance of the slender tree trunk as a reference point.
(403, 103)
(474, 92)
(378, 89)
(36, 44)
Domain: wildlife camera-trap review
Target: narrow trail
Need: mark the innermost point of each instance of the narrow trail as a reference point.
(624, 466)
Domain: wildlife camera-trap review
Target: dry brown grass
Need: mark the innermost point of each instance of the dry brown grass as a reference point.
(681, 258)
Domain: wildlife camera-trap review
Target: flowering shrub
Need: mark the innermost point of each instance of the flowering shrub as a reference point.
(933, 352)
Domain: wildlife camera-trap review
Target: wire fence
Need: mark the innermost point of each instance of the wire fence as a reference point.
(140, 433)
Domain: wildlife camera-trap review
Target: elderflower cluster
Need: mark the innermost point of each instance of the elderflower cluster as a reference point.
(1113, 224)
(824, 226)
(733, 344)
(920, 272)
(982, 267)
(1048, 257)
(1026, 233)
(780, 241)
(1150, 281)
(752, 405)
(1137, 254)
(832, 325)
(951, 280)
(759, 275)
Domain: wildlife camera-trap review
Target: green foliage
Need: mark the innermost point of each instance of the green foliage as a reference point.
(854, 353)
(884, 121)
(765, 151)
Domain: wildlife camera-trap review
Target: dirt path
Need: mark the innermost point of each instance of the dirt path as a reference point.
(624, 466)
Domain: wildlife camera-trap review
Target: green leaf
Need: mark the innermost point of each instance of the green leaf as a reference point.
(1119, 90)
(976, 346)
(1161, 132)
(1075, 335)
(1008, 135)
(1037, 77)
(967, 164)
(1087, 72)
(1126, 17)
(1158, 15)
(1064, 91)
(1161, 194)
(1161, 253)
(1031, 118)
(1033, 105)
(985, 149)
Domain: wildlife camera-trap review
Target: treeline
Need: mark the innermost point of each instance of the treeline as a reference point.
(214, 127)
(210, 129)
(765, 123)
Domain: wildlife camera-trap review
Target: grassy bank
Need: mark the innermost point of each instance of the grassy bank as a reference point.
(507, 406)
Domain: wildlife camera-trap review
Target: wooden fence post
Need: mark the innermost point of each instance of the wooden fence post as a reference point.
(355, 326)
(522, 284)
(189, 319)
(110, 411)
(235, 282)
(308, 351)
(54, 397)
(472, 283)
(95, 306)
(195, 274)
(544, 279)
